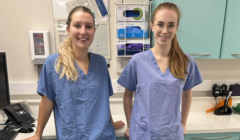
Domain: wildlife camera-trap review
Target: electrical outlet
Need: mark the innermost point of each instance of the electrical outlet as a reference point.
(120, 89)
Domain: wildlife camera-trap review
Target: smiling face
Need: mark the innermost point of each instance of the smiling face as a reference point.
(164, 26)
(81, 30)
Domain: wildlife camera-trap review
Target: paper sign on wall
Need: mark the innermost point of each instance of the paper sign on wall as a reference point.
(97, 7)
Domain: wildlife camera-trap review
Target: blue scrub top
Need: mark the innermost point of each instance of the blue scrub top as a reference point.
(82, 110)
(156, 110)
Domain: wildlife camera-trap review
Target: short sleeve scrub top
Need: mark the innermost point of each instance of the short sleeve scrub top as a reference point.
(156, 111)
(82, 110)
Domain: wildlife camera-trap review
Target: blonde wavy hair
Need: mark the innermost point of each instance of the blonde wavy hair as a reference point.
(178, 60)
(65, 63)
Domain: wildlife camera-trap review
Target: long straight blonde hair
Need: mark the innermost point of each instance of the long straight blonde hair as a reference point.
(178, 60)
(65, 63)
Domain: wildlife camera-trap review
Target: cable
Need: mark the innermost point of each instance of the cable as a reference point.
(216, 102)
(3, 123)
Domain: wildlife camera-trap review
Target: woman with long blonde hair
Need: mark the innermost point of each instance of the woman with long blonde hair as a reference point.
(160, 78)
(76, 85)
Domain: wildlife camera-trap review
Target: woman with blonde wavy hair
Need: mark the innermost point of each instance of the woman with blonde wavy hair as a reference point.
(160, 77)
(76, 85)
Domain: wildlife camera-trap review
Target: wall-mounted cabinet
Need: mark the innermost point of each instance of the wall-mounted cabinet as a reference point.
(231, 36)
(208, 29)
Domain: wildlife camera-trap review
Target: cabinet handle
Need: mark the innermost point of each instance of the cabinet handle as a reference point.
(235, 53)
(199, 53)
(210, 138)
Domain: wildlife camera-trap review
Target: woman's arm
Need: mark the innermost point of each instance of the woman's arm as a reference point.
(45, 109)
(186, 104)
(117, 124)
(127, 105)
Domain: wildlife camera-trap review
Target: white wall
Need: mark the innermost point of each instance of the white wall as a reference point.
(18, 17)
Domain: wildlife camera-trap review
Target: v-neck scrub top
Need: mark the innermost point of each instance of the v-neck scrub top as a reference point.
(82, 110)
(156, 111)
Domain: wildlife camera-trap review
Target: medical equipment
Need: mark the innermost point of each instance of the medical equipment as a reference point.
(39, 46)
(224, 110)
(219, 90)
(216, 90)
(220, 104)
(235, 90)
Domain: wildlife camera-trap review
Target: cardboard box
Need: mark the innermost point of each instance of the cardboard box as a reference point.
(131, 47)
(133, 29)
(130, 13)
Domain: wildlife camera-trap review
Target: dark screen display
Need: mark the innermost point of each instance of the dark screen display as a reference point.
(15, 107)
(3, 82)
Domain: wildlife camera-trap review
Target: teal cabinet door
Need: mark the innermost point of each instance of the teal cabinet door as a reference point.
(213, 136)
(154, 5)
(121, 138)
(201, 26)
(231, 34)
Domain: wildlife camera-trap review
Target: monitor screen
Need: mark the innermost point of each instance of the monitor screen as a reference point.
(4, 89)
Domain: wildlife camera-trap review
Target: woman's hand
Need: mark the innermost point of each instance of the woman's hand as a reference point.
(126, 133)
(35, 137)
(118, 125)
(184, 129)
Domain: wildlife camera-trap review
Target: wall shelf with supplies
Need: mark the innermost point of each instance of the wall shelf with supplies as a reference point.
(132, 31)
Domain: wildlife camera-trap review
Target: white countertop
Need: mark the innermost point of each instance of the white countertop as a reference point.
(197, 123)
(209, 123)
